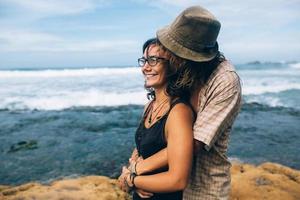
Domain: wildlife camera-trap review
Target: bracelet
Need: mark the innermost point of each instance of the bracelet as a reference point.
(132, 177)
(130, 187)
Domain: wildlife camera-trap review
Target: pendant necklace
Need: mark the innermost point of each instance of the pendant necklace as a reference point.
(158, 109)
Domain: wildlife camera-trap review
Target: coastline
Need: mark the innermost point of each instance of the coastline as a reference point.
(265, 181)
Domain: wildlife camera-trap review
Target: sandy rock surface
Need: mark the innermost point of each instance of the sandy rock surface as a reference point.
(85, 188)
(268, 181)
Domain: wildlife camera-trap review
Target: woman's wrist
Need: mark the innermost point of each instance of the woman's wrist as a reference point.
(130, 180)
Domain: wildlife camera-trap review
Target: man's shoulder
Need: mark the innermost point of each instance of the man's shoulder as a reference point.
(224, 78)
(224, 68)
(224, 74)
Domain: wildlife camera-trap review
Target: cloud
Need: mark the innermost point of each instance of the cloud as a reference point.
(22, 30)
(19, 40)
(30, 41)
(263, 47)
(178, 3)
(55, 7)
(45, 8)
(249, 28)
(167, 3)
(237, 11)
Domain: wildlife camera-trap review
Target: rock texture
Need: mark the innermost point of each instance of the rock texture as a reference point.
(267, 181)
(85, 188)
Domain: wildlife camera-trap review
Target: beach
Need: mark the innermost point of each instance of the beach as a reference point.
(267, 181)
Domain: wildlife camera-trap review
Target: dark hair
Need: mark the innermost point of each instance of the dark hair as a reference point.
(195, 73)
(148, 43)
(183, 76)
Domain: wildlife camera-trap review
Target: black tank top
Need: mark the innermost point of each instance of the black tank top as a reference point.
(150, 141)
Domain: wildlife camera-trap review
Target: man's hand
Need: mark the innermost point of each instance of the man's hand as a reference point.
(143, 193)
(122, 180)
(134, 155)
(133, 163)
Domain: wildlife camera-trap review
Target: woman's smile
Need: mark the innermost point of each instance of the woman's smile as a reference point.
(149, 76)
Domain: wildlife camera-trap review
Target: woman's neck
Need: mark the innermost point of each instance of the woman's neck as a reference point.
(160, 95)
(159, 107)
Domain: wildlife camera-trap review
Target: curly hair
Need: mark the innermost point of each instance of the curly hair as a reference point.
(182, 75)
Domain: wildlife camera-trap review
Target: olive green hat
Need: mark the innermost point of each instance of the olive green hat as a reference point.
(192, 35)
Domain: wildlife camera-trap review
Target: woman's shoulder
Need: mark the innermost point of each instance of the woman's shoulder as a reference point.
(180, 118)
(181, 109)
(179, 106)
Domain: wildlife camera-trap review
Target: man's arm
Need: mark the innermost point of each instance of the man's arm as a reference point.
(223, 100)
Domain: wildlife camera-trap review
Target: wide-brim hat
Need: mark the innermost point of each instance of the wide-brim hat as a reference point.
(192, 35)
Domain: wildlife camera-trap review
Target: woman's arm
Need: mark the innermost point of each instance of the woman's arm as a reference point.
(179, 152)
(158, 160)
(154, 162)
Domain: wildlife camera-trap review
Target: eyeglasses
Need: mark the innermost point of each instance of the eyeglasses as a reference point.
(152, 60)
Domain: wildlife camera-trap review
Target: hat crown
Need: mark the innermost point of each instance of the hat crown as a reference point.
(196, 26)
(191, 34)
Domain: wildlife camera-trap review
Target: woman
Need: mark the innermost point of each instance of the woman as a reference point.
(167, 123)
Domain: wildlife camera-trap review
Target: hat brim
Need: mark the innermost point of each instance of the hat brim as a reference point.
(180, 50)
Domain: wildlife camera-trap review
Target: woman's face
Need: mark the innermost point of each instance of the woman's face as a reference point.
(155, 75)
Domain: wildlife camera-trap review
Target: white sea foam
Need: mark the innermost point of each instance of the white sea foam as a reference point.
(69, 72)
(295, 65)
(255, 82)
(270, 72)
(75, 99)
(270, 101)
(259, 89)
(61, 89)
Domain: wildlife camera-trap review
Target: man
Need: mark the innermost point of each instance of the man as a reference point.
(192, 38)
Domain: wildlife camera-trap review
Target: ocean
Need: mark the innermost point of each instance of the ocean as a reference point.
(58, 123)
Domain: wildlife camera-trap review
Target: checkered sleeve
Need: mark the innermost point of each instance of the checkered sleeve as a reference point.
(223, 99)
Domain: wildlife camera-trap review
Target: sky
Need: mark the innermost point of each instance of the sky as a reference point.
(97, 33)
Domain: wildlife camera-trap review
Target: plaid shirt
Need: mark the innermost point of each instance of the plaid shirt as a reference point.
(218, 105)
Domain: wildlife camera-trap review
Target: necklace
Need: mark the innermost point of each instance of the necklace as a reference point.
(158, 109)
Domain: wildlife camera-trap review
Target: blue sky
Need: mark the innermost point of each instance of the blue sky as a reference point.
(91, 33)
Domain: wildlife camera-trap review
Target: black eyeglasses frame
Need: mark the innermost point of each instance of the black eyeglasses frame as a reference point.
(153, 60)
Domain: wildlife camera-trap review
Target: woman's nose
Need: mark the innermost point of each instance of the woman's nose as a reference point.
(146, 66)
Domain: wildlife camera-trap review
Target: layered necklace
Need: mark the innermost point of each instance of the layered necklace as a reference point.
(154, 111)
